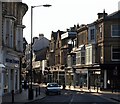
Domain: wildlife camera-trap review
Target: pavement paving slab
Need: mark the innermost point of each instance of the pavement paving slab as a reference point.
(21, 97)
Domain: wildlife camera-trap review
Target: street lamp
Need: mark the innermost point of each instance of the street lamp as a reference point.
(30, 92)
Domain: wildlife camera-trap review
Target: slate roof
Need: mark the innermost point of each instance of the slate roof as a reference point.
(114, 15)
(40, 44)
(41, 54)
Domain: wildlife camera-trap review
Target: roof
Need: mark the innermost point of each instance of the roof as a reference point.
(41, 54)
(40, 44)
(114, 15)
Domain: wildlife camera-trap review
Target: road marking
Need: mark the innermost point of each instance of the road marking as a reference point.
(71, 99)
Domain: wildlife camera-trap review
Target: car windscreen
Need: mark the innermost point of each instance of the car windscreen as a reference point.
(52, 85)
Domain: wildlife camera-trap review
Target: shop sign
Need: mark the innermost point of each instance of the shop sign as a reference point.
(81, 71)
(97, 72)
(12, 61)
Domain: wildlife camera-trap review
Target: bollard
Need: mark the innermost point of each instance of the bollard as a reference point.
(12, 96)
(36, 92)
(97, 87)
(39, 90)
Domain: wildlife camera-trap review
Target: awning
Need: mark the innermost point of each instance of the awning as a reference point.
(2, 66)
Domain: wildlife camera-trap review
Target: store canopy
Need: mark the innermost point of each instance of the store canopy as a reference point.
(2, 66)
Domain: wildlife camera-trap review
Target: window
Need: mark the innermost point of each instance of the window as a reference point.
(7, 32)
(100, 30)
(92, 32)
(19, 39)
(116, 53)
(89, 56)
(115, 30)
(74, 59)
(11, 39)
(78, 57)
(83, 57)
(69, 61)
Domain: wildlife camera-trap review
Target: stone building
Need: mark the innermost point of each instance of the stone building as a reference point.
(94, 55)
(11, 45)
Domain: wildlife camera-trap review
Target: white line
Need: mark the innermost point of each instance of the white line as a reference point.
(71, 99)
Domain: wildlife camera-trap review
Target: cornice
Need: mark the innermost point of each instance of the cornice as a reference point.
(10, 17)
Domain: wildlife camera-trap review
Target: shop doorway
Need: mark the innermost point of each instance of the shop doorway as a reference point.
(12, 79)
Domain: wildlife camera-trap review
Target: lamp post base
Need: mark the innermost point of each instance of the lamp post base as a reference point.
(30, 94)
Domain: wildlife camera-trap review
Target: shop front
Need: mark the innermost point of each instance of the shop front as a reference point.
(2, 70)
(11, 75)
(88, 77)
(111, 76)
(81, 77)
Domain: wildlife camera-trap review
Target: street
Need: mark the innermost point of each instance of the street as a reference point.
(74, 97)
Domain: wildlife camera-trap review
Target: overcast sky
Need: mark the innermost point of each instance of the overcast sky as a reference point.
(63, 14)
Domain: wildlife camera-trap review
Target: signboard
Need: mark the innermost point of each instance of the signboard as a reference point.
(81, 71)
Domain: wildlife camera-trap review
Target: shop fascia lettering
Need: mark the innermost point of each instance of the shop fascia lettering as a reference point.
(12, 61)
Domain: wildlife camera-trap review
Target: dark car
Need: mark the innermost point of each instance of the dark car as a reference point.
(53, 88)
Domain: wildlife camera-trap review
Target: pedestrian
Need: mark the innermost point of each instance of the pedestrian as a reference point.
(25, 84)
(81, 83)
(64, 86)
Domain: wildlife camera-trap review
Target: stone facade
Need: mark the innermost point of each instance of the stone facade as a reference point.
(11, 46)
(93, 58)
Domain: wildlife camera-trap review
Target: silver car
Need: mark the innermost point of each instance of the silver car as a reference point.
(53, 88)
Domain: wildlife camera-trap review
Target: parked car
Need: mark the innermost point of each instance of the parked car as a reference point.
(53, 88)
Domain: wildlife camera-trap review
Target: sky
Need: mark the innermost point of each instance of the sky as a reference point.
(63, 14)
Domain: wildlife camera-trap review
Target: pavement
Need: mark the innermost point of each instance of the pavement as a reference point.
(23, 97)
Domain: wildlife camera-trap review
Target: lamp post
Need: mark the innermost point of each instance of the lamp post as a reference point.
(30, 92)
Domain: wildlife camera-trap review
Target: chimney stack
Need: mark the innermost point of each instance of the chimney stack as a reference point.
(41, 36)
(100, 15)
